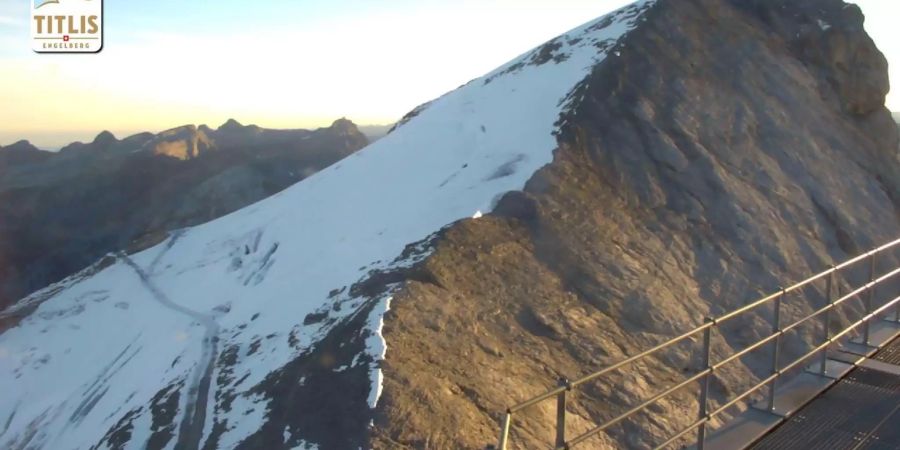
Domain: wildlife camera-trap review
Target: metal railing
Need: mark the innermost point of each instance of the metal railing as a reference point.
(565, 387)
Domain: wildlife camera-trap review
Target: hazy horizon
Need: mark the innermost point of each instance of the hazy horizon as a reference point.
(54, 141)
(282, 64)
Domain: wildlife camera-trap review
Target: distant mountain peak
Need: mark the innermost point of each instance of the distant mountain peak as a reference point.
(189, 128)
(231, 124)
(22, 145)
(344, 124)
(104, 139)
(22, 152)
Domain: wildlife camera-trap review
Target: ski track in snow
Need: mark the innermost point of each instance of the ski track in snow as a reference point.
(263, 271)
(165, 250)
(193, 420)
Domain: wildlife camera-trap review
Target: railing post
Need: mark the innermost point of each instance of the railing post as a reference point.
(504, 431)
(826, 322)
(870, 292)
(704, 386)
(897, 313)
(561, 414)
(776, 346)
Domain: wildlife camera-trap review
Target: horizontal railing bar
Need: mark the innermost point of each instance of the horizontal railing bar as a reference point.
(751, 306)
(673, 341)
(866, 255)
(721, 409)
(755, 346)
(748, 392)
(730, 315)
(783, 331)
(641, 355)
(537, 399)
(867, 317)
(745, 351)
(847, 330)
(825, 308)
(788, 368)
(843, 299)
(796, 324)
(814, 314)
(642, 406)
(799, 360)
(805, 282)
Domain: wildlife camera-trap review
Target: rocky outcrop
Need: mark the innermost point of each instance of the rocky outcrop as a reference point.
(183, 143)
(729, 148)
(21, 153)
(829, 38)
(106, 143)
(60, 212)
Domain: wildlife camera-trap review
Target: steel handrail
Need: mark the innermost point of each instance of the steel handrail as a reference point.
(644, 405)
(843, 299)
(595, 375)
(807, 281)
(565, 386)
(612, 368)
(745, 394)
(764, 382)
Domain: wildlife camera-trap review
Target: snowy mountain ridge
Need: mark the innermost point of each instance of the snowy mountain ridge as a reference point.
(195, 343)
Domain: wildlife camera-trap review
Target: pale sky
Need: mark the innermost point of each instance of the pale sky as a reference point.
(282, 63)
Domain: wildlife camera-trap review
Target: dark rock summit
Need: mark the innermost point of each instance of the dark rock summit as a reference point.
(230, 124)
(60, 212)
(828, 36)
(22, 146)
(21, 152)
(728, 148)
(104, 140)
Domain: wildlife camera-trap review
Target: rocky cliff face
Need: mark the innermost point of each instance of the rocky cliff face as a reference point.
(728, 148)
(61, 212)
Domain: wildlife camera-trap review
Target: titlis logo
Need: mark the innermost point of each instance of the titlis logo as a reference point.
(67, 26)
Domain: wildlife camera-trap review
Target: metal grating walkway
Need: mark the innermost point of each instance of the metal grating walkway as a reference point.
(862, 411)
(889, 354)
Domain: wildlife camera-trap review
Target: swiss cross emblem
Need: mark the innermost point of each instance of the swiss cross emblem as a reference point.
(66, 26)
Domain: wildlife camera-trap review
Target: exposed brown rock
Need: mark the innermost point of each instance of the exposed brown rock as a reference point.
(710, 163)
(828, 35)
(181, 143)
